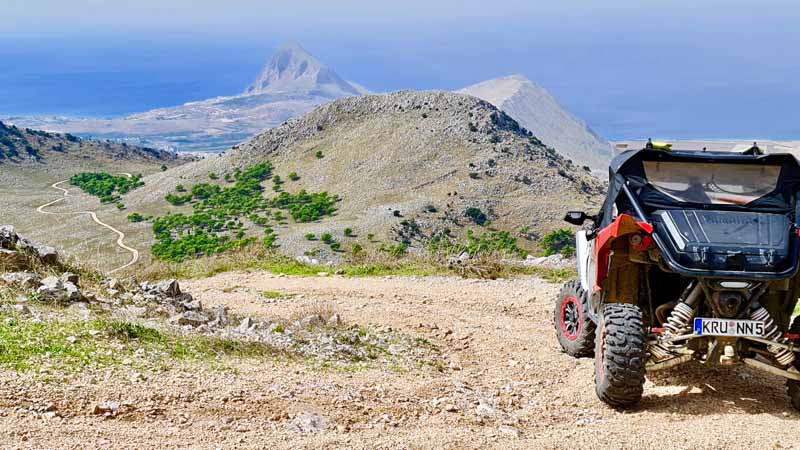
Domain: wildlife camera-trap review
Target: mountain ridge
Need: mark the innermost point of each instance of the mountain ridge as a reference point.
(536, 109)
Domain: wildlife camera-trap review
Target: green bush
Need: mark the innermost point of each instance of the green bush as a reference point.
(559, 241)
(213, 176)
(180, 188)
(335, 246)
(293, 176)
(105, 185)
(310, 236)
(476, 215)
(396, 250)
(492, 241)
(357, 248)
(326, 238)
(135, 218)
(163, 168)
(319, 154)
(348, 232)
(216, 223)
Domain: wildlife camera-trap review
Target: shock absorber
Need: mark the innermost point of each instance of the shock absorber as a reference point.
(783, 355)
(683, 313)
(679, 319)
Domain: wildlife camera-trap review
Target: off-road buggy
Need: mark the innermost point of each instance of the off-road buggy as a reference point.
(693, 256)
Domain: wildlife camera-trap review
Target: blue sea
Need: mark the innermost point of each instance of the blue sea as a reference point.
(115, 79)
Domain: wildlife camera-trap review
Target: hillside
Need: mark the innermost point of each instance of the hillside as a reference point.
(407, 166)
(537, 110)
(292, 83)
(27, 146)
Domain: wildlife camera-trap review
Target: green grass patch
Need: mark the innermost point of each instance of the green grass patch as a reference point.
(275, 295)
(74, 345)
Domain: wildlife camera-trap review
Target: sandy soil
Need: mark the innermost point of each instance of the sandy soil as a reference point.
(506, 384)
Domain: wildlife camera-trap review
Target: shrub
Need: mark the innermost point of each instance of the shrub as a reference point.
(326, 238)
(476, 215)
(396, 250)
(293, 176)
(559, 241)
(370, 236)
(357, 249)
(180, 188)
(319, 154)
(163, 167)
(310, 237)
(135, 218)
(120, 206)
(348, 232)
(105, 185)
(213, 176)
(335, 246)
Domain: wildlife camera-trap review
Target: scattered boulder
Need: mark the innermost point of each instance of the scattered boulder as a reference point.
(8, 238)
(46, 253)
(52, 288)
(170, 288)
(312, 320)
(12, 260)
(24, 280)
(70, 277)
(193, 318)
(307, 423)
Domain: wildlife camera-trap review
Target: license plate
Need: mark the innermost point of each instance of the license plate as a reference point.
(728, 327)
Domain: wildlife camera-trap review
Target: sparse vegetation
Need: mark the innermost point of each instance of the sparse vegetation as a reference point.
(293, 176)
(319, 154)
(559, 241)
(489, 242)
(135, 218)
(104, 185)
(348, 232)
(215, 224)
(74, 345)
(476, 215)
(311, 237)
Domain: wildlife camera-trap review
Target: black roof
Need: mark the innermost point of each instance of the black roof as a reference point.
(628, 168)
(624, 161)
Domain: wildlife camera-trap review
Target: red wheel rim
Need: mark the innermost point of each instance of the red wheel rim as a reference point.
(570, 318)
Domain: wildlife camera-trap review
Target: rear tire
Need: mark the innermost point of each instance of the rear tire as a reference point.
(794, 385)
(620, 355)
(574, 329)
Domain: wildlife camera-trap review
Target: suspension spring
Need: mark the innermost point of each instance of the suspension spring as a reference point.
(783, 356)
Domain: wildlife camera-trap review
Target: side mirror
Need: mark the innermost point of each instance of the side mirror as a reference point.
(576, 217)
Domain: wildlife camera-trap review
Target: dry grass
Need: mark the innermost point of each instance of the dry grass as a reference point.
(366, 264)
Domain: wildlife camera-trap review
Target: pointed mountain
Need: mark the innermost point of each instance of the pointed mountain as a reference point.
(293, 70)
(536, 109)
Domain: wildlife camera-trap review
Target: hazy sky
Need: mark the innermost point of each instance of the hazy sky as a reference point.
(675, 68)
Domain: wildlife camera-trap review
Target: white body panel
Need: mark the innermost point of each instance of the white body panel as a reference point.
(584, 251)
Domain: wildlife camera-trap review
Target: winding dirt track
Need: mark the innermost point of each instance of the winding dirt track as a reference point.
(120, 234)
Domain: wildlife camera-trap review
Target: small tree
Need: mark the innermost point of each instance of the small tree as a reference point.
(559, 241)
(319, 154)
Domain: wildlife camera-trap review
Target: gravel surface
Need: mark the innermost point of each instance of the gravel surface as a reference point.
(504, 384)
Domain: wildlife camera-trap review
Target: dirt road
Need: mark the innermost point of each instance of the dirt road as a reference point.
(120, 235)
(505, 384)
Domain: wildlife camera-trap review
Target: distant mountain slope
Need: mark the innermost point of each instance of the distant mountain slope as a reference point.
(403, 163)
(292, 69)
(538, 111)
(26, 146)
(292, 83)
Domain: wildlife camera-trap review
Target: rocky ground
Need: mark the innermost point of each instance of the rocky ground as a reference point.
(458, 364)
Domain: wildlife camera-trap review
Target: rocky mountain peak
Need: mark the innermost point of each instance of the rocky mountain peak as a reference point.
(538, 111)
(292, 69)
